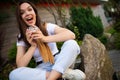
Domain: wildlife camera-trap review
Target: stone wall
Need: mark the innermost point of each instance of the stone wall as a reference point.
(10, 31)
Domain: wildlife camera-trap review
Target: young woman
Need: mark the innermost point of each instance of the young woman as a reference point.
(40, 43)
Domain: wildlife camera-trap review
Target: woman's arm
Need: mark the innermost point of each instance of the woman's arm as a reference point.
(61, 34)
(22, 57)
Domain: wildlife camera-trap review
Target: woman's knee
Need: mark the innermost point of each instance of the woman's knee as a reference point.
(12, 74)
(71, 44)
(15, 74)
(70, 41)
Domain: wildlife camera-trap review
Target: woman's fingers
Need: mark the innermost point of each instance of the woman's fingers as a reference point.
(37, 34)
(30, 38)
(32, 35)
(28, 35)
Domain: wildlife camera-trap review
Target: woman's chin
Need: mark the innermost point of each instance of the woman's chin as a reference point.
(31, 24)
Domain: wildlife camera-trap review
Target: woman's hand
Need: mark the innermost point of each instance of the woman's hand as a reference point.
(30, 38)
(37, 34)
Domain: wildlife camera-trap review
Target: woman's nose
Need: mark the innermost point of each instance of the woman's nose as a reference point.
(27, 12)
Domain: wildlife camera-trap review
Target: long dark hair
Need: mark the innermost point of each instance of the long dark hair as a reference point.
(23, 26)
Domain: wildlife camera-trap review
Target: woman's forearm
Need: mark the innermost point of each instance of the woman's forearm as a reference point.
(25, 59)
(67, 35)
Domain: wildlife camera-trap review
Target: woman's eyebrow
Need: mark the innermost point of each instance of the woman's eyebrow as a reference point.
(26, 8)
(29, 7)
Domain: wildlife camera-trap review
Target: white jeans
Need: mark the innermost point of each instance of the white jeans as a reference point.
(63, 60)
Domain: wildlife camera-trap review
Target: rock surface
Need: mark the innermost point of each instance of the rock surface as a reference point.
(97, 63)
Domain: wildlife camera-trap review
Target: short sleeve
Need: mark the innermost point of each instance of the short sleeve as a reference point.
(20, 43)
(51, 28)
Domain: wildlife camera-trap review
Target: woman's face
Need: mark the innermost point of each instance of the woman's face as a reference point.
(28, 14)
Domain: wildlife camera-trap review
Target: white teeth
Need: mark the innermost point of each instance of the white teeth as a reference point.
(29, 18)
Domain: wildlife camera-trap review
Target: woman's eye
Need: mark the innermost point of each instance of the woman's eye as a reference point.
(21, 12)
(29, 9)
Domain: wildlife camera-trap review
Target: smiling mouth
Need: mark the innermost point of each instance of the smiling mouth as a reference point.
(29, 19)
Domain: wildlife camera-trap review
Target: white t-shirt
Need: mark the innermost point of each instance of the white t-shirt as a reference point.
(52, 45)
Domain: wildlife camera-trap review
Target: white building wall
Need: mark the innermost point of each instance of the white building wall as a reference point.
(45, 15)
(98, 11)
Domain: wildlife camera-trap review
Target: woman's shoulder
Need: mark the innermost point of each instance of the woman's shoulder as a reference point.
(50, 24)
(50, 28)
(20, 42)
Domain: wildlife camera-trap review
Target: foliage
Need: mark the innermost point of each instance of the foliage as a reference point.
(111, 30)
(6, 70)
(59, 45)
(117, 40)
(12, 56)
(111, 8)
(79, 42)
(75, 30)
(12, 53)
(103, 39)
(117, 26)
(85, 21)
(117, 35)
(32, 63)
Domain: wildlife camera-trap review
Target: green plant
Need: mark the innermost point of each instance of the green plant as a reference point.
(79, 42)
(103, 39)
(111, 31)
(12, 53)
(4, 74)
(117, 26)
(32, 63)
(74, 29)
(12, 56)
(59, 45)
(86, 22)
(117, 40)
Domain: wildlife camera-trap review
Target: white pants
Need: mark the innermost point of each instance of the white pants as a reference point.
(63, 60)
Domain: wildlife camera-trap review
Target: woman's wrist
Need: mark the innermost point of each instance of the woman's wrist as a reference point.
(44, 39)
(34, 46)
